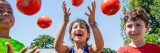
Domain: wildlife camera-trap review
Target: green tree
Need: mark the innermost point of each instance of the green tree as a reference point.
(108, 50)
(152, 7)
(43, 41)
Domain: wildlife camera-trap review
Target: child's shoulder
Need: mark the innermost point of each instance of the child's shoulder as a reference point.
(153, 45)
(124, 48)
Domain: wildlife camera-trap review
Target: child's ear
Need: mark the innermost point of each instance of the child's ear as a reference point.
(148, 27)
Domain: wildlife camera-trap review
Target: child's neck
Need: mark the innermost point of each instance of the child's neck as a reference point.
(79, 45)
(4, 33)
(137, 43)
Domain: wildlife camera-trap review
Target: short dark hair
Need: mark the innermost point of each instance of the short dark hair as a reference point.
(136, 14)
(5, 2)
(2, 0)
(81, 21)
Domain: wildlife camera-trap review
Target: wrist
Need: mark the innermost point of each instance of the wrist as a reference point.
(93, 25)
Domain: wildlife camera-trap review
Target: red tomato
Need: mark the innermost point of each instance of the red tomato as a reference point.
(44, 22)
(110, 7)
(77, 2)
(28, 7)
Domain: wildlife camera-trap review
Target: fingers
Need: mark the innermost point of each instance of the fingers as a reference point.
(94, 3)
(37, 51)
(23, 50)
(68, 12)
(63, 0)
(9, 49)
(65, 9)
(89, 9)
(64, 3)
(33, 50)
(92, 11)
(64, 6)
(93, 6)
(87, 14)
(91, 15)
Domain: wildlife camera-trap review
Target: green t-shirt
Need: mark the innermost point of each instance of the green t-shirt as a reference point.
(16, 46)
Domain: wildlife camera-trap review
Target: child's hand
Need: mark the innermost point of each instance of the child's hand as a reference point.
(66, 12)
(24, 50)
(92, 13)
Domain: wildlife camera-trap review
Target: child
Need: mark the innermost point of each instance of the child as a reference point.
(6, 22)
(79, 34)
(136, 23)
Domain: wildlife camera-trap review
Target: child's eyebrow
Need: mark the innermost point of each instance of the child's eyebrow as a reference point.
(7, 7)
(10, 8)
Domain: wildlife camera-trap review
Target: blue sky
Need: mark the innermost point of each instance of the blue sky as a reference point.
(26, 28)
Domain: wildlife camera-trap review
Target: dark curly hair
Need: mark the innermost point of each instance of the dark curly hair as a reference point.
(136, 14)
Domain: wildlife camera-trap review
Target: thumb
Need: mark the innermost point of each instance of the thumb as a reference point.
(24, 50)
(9, 49)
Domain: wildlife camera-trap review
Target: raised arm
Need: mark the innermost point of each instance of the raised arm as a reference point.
(99, 44)
(59, 45)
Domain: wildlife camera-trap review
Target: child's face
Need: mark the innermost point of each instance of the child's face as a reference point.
(6, 15)
(79, 32)
(135, 30)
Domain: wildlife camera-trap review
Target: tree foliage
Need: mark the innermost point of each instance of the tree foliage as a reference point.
(43, 41)
(108, 50)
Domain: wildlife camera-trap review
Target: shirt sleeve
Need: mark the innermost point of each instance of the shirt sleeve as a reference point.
(120, 50)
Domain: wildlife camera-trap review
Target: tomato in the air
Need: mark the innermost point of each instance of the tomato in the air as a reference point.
(44, 22)
(28, 7)
(77, 2)
(110, 7)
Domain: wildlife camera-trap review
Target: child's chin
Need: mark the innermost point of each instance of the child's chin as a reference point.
(7, 25)
(78, 40)
(134, 39)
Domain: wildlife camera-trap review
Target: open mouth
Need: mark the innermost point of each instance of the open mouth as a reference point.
(79, 34)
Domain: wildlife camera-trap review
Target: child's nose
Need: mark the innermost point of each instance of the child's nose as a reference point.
(78, 31)
(133, 28)
(78, 28)
(5, 14)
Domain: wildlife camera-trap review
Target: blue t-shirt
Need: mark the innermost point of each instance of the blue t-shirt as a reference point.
(85, 50)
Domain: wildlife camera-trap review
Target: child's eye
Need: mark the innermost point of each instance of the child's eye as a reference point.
(129, 26)
(75, 27)
(138, 25)
(82, 27)
(1, 11)
(10, 12)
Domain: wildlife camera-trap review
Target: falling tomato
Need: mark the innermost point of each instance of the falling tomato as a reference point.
(77, 2)
(28, 7)
(44, 22)
(110, 7)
